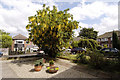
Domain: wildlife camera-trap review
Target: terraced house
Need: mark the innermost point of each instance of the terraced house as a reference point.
(106, 38)
(20, 44)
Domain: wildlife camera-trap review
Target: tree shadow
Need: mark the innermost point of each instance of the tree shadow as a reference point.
(78, 73)
(68, 73)
(31, 60)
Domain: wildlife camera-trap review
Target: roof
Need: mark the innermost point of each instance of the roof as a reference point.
(108, 34)
(20, 37)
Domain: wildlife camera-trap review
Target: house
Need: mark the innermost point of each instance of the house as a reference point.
(20, 44)
(106, 38)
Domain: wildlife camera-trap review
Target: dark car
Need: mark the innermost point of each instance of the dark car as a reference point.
(75, 50)
(110, 51)
(1, 54)
(114, 50)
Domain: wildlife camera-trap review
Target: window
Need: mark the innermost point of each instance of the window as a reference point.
(19, 41)
(112, 50)
(102, 39)
(106, 39)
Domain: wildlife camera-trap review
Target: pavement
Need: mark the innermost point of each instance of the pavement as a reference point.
(25, 69)
(8, 72)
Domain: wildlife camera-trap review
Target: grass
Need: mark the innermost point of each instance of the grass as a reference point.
(70, 57)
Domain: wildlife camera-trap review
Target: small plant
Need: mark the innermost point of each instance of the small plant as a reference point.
(52, 69)
(39, 63)
(51, 62)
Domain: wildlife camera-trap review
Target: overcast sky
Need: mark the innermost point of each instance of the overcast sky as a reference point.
(99, 14)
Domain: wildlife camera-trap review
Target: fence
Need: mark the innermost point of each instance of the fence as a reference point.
(16, 52)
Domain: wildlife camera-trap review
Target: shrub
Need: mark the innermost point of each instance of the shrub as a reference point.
(82, 58)
(119, 57)
(105, 46)
(97, 60)
(74, 44)
(59, 54)
(88, 43)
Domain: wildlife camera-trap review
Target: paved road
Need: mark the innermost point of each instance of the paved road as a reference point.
(7, 72)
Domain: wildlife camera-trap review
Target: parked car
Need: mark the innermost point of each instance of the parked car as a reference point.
(114, 50)
(1, 54)
(41, 52)
(109, 51)
(75, 50)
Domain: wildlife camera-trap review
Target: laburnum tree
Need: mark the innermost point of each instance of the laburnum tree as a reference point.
(51, 30)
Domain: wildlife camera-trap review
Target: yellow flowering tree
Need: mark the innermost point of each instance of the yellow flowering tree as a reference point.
(51, 29)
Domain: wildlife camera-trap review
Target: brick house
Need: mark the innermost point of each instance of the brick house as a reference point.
(20, 44)
(106, 38)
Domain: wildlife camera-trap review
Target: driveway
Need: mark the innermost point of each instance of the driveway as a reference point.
(25, 69)
(7, 72)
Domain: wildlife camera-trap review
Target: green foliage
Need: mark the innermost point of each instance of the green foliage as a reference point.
(105, 46)
(74, 44)
(51, 62)
(69, 57)
(115, 41)
(88, 33)
(39, 62)
(3, 32)
(119, 57)
(82, 58)
(51, 29)
(58, 54)
(88, 43)
(96, 60)
(5, 39)
(99, 47)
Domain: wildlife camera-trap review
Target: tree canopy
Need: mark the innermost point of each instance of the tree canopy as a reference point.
(88, 43)
(5, 39)
(88, 33)
(74, 44)
(51, 29)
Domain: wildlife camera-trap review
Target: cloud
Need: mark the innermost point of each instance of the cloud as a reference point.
(14, 14)
(92, 11)
(105, 12)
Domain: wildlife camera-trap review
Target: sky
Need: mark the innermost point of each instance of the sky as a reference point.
(102, 15)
